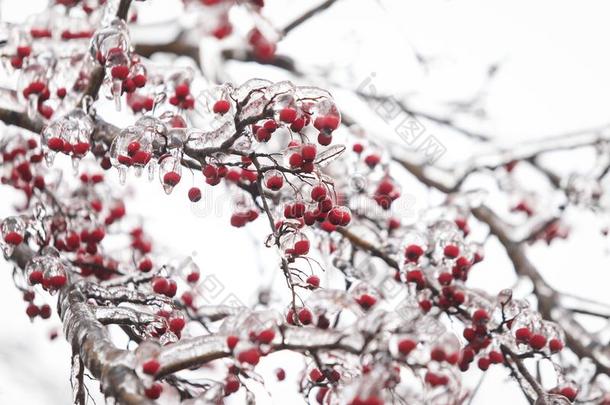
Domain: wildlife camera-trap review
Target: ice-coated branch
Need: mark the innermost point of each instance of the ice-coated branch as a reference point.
(113, 367)
(577, 338)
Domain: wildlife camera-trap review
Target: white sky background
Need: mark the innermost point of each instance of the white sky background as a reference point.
(553, 78)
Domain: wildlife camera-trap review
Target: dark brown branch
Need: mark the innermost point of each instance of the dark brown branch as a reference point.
(20, 119)
(279, 61)
(368, 247)
(123, 9)
(309, 14)
(526, 374)
(447, 122)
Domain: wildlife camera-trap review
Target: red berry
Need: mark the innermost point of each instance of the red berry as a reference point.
(80, 148)
(335, 216)
(250, 356)
(523, 334)
(182, 90)
(151, 367)
(445, 278)
(266, 336)
(24, 51)
(437, 354)
(139, 80)
(160, 285)
(145, 265)
(171, 178)
(301, 248)
(316, 375)
(119, 72)
(405, 346)
(318, 193)
(221, 106)
(231, 385)
(55, 144)
(324, 139)
(295, 160)
(308, 152)
(568, 392)
(483, 363)
(172, 287)
(313, 281)
(366, 301)
(154, 391)
(45, 311)
(451, 251)
(280, 374)
(17, 62)
(263, 135)
(480, 316)
(496, 357)
(32, 310)
(232, 341)
(288, 115)
(372, 160)
(13, 238)
(57, 281)
(193, 277)
(555, 345)
(537, 341)
(194, 194)
(35, 277)
(275, 182)
(176, 324)
(413, 252)
(305, 316)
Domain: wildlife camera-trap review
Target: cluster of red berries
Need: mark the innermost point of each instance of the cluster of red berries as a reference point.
(139, 103)
(318, 376)
(136, 155)
(96, 265)
(164, 286)
(182, 97)
(22, 52)
(21, 157)
(302, 316)
(33, 310)
(53, 282)
(139, 242)
(300, 248)
(301, 156)
(129, 82)
(240, 219)
(57, 144)
(174, 322)
(385, 193)
(42, 93)
(537, 341)
(263, 48)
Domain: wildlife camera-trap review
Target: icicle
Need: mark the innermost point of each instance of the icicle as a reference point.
(122, 175)
(32, 107)
(116, 93)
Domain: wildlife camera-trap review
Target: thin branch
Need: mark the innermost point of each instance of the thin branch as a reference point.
(309, 14)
